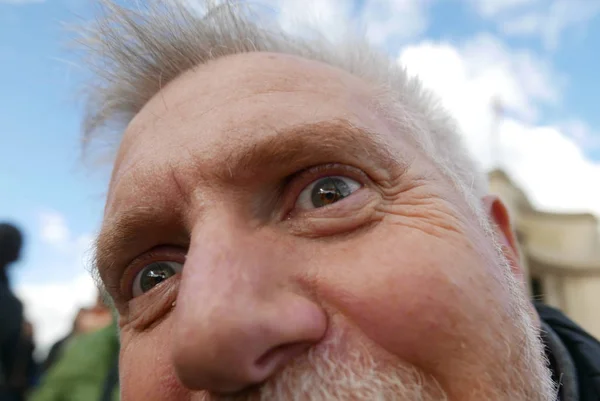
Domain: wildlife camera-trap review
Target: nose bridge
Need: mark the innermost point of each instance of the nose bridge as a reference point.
(237, 318)
(227, 262)
(231, 259)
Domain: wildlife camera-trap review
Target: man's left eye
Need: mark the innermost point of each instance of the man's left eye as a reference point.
(326, 191)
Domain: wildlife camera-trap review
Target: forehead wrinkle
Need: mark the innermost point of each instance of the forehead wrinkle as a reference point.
(183, 94)
(255, 73)
(119, 174)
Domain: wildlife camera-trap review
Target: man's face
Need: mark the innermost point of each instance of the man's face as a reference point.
(269, 236)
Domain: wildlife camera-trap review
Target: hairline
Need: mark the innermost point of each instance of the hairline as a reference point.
(127, 46)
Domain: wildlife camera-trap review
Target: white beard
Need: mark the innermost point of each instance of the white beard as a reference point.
(321, 376)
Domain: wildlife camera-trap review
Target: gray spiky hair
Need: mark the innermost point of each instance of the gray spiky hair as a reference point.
(134, 52)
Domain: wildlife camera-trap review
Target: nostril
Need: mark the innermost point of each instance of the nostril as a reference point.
(255, 342)
(277, 357)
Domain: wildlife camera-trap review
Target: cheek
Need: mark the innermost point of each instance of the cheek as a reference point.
(146, 371)
(420, 299)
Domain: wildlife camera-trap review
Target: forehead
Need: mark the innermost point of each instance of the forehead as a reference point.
(232, 102)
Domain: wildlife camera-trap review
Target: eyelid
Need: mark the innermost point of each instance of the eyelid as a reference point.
(156, 254)
(302, 179)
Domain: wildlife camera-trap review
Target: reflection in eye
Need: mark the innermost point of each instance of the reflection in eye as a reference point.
(154, 274)
(326, 191)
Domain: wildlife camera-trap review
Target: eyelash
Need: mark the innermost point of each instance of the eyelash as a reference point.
(299, 181)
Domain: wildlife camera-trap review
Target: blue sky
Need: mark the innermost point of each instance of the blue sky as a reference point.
(39, 130)
(541, 56)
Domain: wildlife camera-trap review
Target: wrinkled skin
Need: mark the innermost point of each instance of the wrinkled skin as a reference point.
(394, 292)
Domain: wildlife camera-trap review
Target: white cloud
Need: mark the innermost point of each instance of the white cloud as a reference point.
(53, 228)
(492, 8)
(546, 161)
(55, 232)
(549, 20)
(51, 306)
(381, 20)
(330, 17)
(582, 134)
(551, 166)
(525, 24)
(396, 20)
(524, 80)
(469, 77)
(566, 14)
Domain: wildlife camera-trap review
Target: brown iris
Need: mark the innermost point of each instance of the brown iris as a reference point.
(329, 190)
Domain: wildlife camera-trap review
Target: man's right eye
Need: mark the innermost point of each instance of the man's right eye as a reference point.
(154, 274)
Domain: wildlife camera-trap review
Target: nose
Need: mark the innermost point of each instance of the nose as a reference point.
(239, 317)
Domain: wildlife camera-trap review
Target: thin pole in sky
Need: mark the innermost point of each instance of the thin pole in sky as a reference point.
(497, 117)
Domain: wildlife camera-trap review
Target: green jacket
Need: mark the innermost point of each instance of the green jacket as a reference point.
(81, 371)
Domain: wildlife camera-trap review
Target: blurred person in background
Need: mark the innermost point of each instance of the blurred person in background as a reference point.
(289, 219)
(84, 365)
(17, 367)
(86, 321)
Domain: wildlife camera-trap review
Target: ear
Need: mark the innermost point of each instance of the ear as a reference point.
(498, 215)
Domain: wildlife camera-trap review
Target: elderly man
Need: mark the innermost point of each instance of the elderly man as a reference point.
(293, 220)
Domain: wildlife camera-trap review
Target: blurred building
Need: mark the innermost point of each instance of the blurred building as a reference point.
(561, 253)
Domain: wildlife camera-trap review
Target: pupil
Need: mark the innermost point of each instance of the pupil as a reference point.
(329, 190)
(154, 275)
(328, 197)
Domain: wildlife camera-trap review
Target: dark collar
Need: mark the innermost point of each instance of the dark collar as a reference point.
(561, 363)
